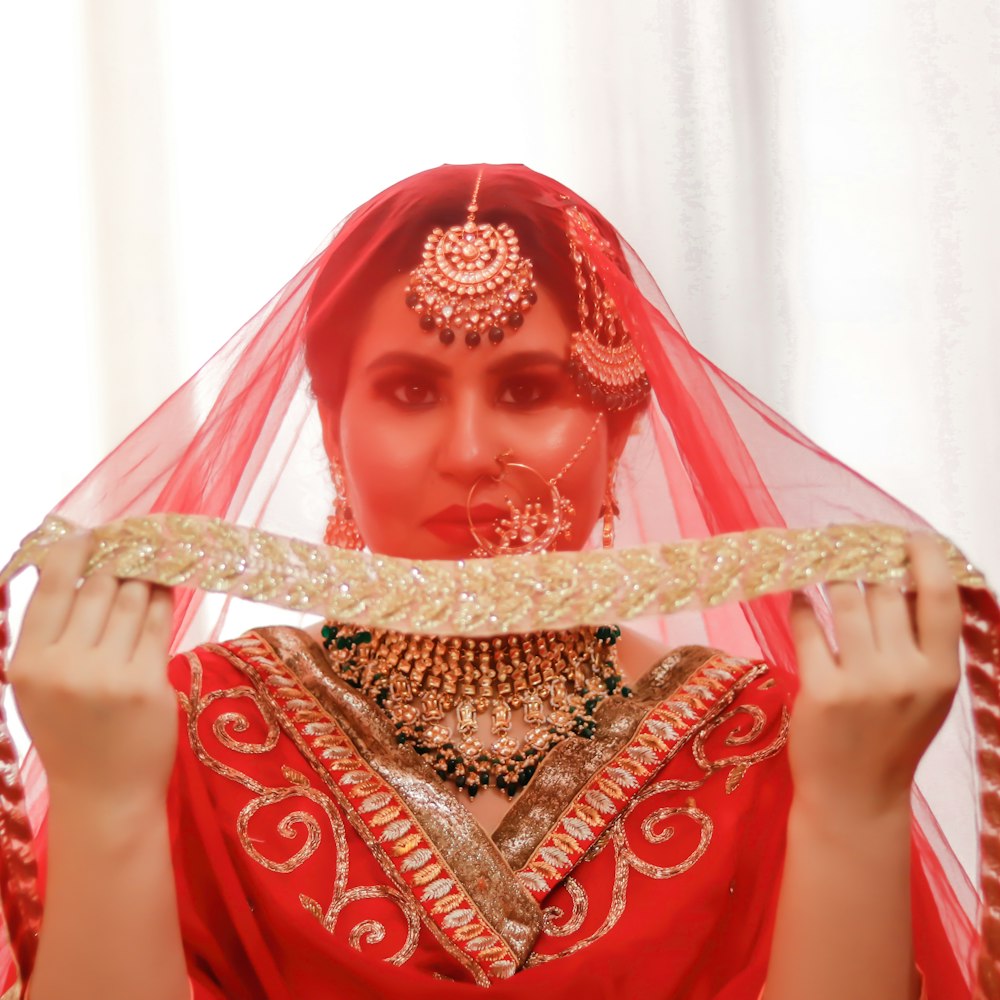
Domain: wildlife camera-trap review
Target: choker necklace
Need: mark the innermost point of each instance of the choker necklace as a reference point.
(556, 679)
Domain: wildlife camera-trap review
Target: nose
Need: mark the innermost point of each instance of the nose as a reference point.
(470, 442)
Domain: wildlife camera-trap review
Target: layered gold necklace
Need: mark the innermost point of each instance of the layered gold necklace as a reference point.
(555, 679)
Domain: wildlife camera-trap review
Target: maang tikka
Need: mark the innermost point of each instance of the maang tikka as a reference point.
(472, 282)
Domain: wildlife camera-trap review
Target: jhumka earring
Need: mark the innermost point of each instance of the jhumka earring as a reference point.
(531, 526)
(341, 528)
(609, 509)
(473, 281)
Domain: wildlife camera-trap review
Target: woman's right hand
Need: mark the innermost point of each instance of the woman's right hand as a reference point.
(89, 675)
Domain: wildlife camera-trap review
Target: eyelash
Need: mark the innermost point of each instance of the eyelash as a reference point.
(544, 389)
(394, 390)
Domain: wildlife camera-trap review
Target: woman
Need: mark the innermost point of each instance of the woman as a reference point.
(350, 810)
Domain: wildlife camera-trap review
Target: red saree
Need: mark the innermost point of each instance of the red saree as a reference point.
(316, 858)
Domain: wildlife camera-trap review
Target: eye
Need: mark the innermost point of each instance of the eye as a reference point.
(526, 391)
(409, 391)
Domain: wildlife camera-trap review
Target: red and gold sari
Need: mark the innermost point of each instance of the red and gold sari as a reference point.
(317, 858)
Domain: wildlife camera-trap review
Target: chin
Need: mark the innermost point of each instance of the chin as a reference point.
(425, 548)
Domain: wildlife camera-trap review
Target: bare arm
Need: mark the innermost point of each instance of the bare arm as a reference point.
(111, 928)
(843, 927)
(861, 723)
(90, 680)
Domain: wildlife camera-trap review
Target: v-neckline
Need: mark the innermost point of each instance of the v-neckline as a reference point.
(482, 893)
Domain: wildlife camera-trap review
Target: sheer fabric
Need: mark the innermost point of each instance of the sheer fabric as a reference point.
(241, 441)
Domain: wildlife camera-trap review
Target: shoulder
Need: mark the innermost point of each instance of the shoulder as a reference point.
(657, 672)
(214, 666)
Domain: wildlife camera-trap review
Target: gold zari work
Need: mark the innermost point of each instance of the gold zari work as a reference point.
(484, 597)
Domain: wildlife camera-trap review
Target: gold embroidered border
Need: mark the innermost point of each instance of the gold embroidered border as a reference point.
(468, 850)
(393, 828)
(568, 767)
(486, 596)
(657, 827)
(660, 734)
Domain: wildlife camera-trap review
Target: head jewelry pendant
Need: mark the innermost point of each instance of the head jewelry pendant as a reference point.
(604, 361)
(473, 282)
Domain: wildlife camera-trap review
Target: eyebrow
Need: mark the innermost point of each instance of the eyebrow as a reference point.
(408, 360)
(523, 359)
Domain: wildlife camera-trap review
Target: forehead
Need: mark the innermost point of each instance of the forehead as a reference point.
(391, 325)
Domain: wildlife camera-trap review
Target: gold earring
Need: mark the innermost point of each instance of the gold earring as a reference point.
(341, 528)
(610, 509)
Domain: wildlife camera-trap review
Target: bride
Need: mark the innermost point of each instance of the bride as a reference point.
(716, 805)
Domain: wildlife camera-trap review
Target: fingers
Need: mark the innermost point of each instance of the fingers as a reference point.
(50, 606)
(852, 621)
(938, 606)
(126, 618)
(117, 614)
(89, 614)
(890, 618)
(154, 637)
(814, 653)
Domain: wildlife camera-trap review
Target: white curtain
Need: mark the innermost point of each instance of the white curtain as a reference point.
(814, 185)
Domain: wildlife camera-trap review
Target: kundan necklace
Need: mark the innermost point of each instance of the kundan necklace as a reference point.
(556, 679)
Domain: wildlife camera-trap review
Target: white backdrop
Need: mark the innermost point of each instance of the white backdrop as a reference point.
(814, 185)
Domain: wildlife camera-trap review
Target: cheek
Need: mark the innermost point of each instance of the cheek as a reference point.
(584, 487)
(384, 459)
(562, 443)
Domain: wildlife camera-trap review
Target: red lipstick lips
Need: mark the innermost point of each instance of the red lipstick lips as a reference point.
(452, 523)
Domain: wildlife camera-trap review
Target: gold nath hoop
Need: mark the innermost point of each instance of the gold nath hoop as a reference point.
(527, 529)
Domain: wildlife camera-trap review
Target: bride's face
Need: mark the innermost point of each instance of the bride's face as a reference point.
(423, 424)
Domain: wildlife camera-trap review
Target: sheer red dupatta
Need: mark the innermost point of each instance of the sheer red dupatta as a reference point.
(239, 441)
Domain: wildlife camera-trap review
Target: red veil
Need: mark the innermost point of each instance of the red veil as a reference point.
(240, 441)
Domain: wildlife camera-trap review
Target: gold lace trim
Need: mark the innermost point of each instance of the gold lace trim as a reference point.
(486, 596)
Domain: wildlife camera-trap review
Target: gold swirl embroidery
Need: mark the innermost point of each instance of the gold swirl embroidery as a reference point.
(295, 825)
(238, 724)
(659, 826)
(740, 763)
(290, 825)
(195, 703)
(655, 833)
(370, 931)
(577, 914)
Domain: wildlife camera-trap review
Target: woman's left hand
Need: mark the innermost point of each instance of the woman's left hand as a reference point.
(865, 715)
